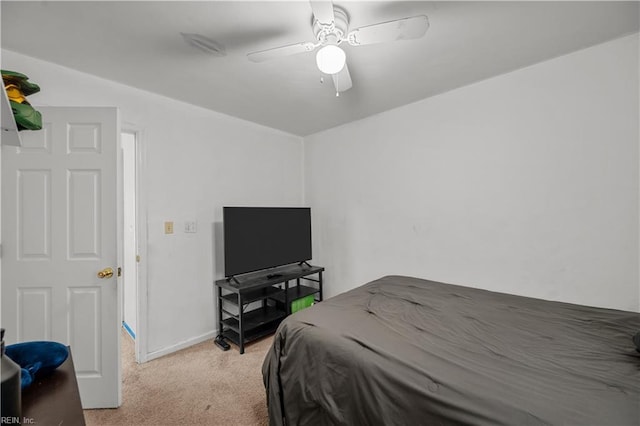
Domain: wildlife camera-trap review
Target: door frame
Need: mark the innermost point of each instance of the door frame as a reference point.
(141, 351)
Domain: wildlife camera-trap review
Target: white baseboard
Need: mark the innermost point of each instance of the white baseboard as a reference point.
(182, 345)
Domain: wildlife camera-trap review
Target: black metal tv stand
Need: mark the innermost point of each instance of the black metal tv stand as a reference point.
(240, 323)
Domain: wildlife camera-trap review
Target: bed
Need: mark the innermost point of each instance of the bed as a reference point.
(407, 351)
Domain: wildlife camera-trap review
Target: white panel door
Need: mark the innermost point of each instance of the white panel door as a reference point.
(59, 228)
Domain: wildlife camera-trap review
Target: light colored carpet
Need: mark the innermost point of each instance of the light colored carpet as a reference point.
(200, 385)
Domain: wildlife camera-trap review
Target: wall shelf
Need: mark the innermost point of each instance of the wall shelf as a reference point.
(9, 130)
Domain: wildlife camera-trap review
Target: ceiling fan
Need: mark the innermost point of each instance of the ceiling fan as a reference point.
(330, 25)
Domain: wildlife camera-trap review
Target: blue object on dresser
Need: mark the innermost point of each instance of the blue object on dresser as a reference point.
(36, 358)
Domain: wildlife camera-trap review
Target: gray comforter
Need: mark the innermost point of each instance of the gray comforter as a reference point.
(406, 351)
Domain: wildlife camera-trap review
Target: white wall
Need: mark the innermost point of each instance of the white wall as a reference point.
(526, 183)
(196, 162)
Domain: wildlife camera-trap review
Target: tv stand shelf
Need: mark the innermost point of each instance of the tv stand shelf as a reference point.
(253, 296)
(271, 290)
(255, 318)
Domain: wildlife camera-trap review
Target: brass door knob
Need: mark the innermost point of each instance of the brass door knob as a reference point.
(105, 273)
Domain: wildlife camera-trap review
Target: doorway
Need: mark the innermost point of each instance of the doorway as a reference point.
(131, 256)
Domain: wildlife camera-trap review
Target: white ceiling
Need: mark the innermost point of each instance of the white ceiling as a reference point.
(139, 44)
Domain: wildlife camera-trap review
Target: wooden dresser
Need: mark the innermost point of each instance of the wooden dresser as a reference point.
(54, 399)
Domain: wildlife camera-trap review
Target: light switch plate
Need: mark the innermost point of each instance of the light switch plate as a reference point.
(190, 227)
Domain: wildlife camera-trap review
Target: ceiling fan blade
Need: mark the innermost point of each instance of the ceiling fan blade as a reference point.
(401, 29)
(279, 52)
(323, 11)
(342, 80)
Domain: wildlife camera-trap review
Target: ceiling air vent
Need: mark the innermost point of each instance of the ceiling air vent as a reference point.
(204, 43)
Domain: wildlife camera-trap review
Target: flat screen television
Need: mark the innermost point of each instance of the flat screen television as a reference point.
(257, 238)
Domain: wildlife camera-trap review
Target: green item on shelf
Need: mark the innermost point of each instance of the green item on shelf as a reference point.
(22, 81)
(27, 118)
(18, 87)
(303, 302)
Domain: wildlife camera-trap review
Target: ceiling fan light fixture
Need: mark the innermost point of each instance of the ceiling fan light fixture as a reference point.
(330, 59)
